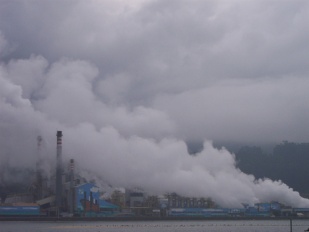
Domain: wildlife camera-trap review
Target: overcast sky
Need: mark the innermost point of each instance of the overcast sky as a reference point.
(153, 72)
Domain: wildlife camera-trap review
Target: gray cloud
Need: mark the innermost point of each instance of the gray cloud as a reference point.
(255, 111)
(128, 82)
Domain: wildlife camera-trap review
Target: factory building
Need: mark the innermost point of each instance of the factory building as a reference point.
(257, 210)
(136, 199)
(177, 201)
(88, 203)
(17, 209)
(72, 197)
(65, 194)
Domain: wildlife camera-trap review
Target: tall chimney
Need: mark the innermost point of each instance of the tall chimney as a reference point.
(71, 192)
(59, 170)
(39, 177)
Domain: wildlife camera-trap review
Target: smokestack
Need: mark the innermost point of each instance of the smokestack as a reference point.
(71, 192)
(59, 170)
(39, 178)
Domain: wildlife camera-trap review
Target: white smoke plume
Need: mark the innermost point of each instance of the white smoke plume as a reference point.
(128, 147)
(128, 82)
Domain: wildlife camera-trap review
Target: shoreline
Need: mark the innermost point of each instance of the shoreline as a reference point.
(137, 218)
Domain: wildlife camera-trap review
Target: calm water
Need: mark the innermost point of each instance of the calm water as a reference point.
(157, 226)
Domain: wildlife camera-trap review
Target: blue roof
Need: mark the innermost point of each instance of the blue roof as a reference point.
(107, 205)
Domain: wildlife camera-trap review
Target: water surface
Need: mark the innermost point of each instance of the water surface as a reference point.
(158, 226)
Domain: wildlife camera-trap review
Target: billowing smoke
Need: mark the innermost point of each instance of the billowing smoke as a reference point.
(126, 147)
(129, 81)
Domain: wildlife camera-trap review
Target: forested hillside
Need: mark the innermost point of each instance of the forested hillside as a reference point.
(288, 162)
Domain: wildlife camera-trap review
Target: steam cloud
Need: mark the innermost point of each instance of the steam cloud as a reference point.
(145, 76)
(97, 136)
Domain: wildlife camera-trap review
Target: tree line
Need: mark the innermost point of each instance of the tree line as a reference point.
(289, 162)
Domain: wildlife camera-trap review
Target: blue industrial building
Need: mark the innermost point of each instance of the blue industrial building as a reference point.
(258, 210)
(19, 210)
(88, 202)
(200, 212)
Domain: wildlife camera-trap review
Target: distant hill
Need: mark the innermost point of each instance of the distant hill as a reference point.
(288, 162)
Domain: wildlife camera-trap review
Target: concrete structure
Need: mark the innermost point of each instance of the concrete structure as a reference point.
(39, 171)
(59, 171)
(71, 197)
(177, 201)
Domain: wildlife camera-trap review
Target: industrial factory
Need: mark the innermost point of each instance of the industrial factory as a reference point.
(62, 195)
(67, 194)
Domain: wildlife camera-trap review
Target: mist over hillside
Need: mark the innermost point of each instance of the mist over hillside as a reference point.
(287, 162)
